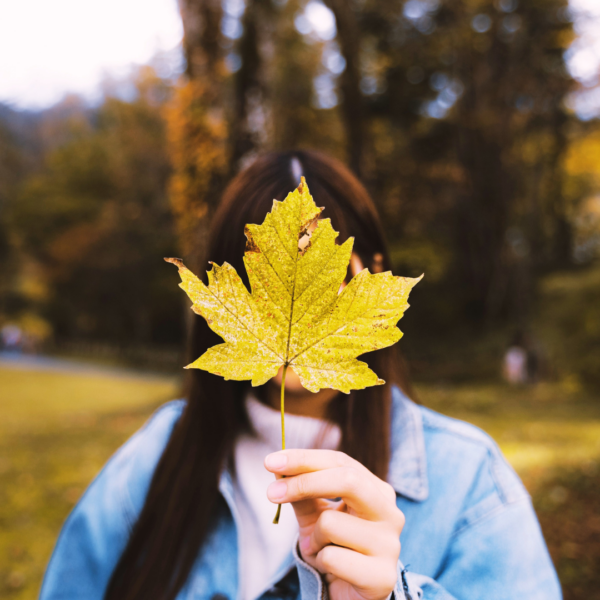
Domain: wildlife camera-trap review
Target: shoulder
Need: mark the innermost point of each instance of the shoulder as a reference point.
(435, 457)
(147, 444)
(118, 492)
(476, 517)
(467, 472)
(132, 467)
(97, 530)
(469, 456)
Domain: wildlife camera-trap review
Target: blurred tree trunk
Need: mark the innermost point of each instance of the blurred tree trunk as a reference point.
(250, 125)
(202, 38)
(511, 154)
(294, 119)
(485, 203)
(198, 128)
(562, 252)
(352, 106)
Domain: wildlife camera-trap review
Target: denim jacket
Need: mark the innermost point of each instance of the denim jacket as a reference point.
(471, 532)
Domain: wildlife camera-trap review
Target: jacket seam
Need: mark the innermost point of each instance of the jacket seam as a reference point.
(484, 441)
(407, 468)
(493, 455)
(491, 513)
(127, 506)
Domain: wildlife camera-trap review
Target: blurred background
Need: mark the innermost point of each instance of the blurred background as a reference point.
(475, 124)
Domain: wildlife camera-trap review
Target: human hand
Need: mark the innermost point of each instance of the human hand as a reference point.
(355, 542)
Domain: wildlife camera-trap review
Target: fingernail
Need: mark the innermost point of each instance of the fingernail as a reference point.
(277, 460)
(277, 490)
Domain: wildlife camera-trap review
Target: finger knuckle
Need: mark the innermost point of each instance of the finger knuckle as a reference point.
(327, 521)
(389, 577)
(351, 479)
(342, 459)
(394, 545)
(302, 486)
(389, 542)
(400, 519)
(389, 492)
(326, 558)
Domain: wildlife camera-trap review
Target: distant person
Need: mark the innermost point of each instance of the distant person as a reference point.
(515, 364)
(184, 508)
(12, 337)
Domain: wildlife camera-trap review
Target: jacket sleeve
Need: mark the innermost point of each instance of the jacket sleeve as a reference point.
(97, 530)
(500, 555)
(496, 550)
(312, 585)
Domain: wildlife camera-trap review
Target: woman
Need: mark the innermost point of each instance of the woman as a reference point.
(184, 508)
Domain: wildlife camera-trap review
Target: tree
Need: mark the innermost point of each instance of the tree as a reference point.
(97, 222)
(452, 113)
(197, 125)
(472, 93)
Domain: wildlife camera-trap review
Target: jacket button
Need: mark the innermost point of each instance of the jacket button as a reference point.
(219, 597)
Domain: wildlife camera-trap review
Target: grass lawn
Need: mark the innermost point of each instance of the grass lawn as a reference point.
(58, 429)
(56, 432)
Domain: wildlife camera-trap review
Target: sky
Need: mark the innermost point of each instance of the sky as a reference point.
(51, 47)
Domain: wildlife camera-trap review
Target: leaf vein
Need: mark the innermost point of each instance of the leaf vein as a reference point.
(242, 323)
(329, 334)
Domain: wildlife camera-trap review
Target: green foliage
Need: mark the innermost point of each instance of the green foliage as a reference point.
(17, 158)
(95, 219)
(569, 324)
(296, 119)
(460, 119)
(476, 166)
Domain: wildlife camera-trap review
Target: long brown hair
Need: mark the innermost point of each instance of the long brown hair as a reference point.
(181, 502)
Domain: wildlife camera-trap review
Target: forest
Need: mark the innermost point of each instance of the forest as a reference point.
(455, 116)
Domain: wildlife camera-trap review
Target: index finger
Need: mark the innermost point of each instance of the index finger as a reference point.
(359, 490)
(296, 462)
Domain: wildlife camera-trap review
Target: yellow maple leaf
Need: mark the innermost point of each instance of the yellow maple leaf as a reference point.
(295, 316)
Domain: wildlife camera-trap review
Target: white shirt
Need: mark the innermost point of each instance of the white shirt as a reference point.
(265, 547)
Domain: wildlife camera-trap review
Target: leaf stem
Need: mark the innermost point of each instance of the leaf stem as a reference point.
(276, 519)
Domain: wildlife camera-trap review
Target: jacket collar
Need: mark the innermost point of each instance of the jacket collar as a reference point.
(407, 472)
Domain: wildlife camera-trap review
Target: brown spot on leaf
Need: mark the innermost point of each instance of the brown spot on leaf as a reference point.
(250, 243)
(304, 244)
